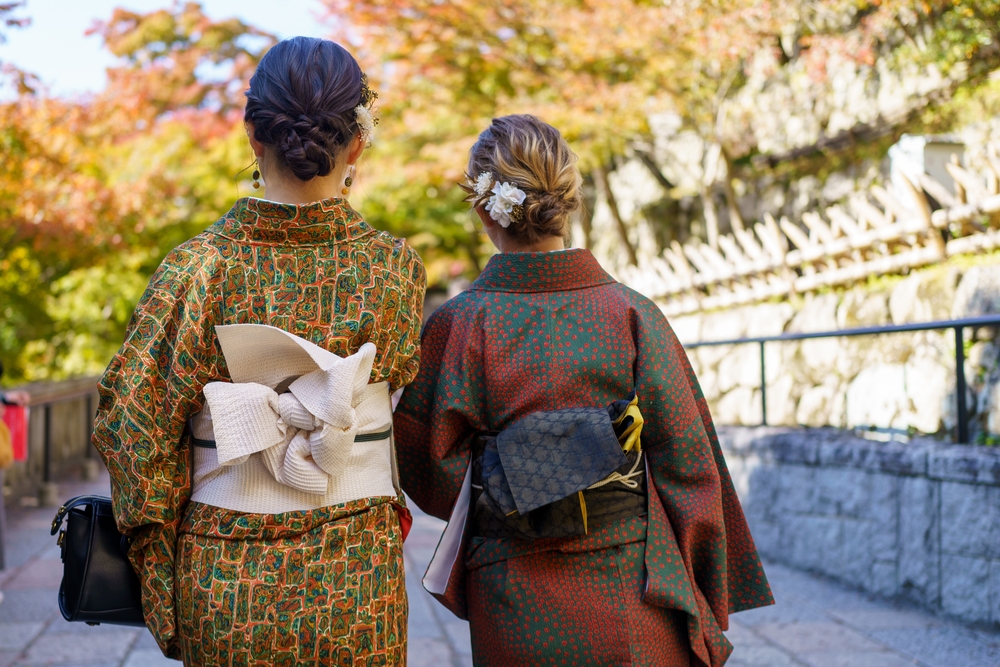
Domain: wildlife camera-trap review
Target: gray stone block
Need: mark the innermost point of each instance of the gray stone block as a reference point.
(884, 541)
(919, 540)
(918, 519)
(796, 447)
(900, 458)
(841, 492)
(813, 543)
(763, 489)
(965, 463)
(740, 468)
(796, 490)
(995, 591)
(852, 562)
(883, 505)
(767, 536)
(969, 519)
(743, 440)
(885, 578)
(850, 451)
(965, 587)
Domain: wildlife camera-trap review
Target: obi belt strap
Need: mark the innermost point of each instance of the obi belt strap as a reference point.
(304, 434)
(529, 480)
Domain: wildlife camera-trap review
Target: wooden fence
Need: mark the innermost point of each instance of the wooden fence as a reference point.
(59, 428)
(875, 234)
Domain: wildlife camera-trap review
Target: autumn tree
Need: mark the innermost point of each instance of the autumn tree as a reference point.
(739, 76)
(95, 191)
(708, 98)
(596, 70)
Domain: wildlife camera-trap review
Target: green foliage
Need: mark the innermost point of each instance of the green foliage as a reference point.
(95, 192)
(988, 439)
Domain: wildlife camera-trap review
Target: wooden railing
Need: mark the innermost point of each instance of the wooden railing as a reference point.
(59, 429)
(875, 234)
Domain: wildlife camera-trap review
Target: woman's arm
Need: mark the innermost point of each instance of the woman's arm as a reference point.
(400, 335)
(153, 384)
(441, 409)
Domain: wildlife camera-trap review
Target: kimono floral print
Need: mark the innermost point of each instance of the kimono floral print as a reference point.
(246, 585)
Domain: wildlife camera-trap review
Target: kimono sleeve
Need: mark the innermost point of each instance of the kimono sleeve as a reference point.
(153, 384)
(440, 411)
(695, 496)
(401, 329)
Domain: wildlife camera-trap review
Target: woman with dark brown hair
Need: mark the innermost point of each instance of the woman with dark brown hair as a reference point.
(557, 424)
(246, 420)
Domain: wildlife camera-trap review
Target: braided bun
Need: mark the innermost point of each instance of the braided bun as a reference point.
(532, 155)
(301, 101)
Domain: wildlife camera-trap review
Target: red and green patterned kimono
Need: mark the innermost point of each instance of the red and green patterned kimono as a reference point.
(222, 587)
(547, 331)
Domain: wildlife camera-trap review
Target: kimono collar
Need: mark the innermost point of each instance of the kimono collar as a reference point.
(267, 222)
(542, 272)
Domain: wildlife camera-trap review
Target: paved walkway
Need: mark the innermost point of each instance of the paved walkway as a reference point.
(816, 623)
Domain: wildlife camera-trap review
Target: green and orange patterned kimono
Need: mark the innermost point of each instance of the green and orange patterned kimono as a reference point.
(547, 331)
(221, 587)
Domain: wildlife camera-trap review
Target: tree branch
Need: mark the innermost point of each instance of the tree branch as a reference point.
(647, 160)
(604, 185)
(735, 217)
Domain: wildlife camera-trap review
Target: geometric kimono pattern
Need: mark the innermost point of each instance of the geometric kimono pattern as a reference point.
(317, 271)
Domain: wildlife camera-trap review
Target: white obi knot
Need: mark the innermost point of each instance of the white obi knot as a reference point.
(305, 435)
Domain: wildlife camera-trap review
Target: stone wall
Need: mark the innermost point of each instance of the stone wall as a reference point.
(919, 520)
(904, 382)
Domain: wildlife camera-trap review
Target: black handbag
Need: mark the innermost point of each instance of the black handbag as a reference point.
(98, 584)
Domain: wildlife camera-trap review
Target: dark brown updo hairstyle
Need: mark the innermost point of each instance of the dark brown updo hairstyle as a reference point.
(301, 101)
(530, 154)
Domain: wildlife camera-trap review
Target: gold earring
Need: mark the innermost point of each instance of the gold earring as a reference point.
(348, 182)
(256, 175)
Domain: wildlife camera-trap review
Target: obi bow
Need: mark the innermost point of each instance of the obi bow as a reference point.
(305, 434)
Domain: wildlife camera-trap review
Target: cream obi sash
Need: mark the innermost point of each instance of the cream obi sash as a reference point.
(298, 428)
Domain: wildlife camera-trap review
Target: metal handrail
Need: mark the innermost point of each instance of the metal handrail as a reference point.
(959, 326)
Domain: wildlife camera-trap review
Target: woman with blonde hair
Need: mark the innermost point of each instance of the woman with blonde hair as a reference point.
(246, 420)
(557, 424)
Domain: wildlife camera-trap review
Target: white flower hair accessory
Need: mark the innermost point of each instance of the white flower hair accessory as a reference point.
(506, 203)
(366, 122)
(483, 183)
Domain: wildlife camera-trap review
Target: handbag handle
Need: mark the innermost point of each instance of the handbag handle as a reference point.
(70, 504)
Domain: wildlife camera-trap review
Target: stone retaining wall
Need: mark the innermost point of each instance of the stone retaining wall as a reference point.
(904, 382)
(920, 519)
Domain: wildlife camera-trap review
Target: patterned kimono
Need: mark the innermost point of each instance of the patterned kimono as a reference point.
(547, 331)
(221, 587)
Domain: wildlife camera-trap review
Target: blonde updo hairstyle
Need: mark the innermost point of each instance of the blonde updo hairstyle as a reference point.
(531, 155)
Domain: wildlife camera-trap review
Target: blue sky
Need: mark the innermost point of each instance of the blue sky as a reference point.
(55, 48)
